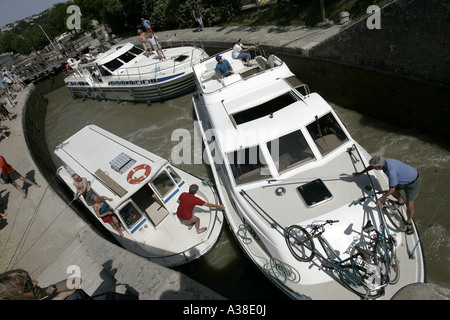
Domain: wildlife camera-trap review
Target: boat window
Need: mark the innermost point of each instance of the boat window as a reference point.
(264, 109)
(106, 72)
(114, 65)
(327, 133)
(181, 58)
(290, 151)
(174, 175)
(130, 215)
(127, 57)
(248, 165)
(162, 183)
(137, 51)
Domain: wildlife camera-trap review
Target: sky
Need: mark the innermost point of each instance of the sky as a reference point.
(12, 10)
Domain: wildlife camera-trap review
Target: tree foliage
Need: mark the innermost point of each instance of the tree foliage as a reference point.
(123, 16)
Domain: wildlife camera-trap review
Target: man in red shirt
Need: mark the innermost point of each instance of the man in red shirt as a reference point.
(10, 175)
(187, 202)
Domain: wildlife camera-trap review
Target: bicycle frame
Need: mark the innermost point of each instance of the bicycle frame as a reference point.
(378, 250)
(383, 237)
(349, 269)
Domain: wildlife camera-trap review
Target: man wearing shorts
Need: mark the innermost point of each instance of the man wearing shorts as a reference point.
(83, 189)
(10, 175)
(144, 40)
(401, 177)
(187, 202)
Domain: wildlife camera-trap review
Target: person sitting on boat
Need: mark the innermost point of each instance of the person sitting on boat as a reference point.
(144, 40)
(154, 41)
(240, 51)
(187, 202)
(223, 67)
(401, 177)
(74, 64)
(103, 211)
(83, 189)
(96, 74)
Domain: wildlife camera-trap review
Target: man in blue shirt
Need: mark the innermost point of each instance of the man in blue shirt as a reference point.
(146, 25)
(223, 67)
(401, 177)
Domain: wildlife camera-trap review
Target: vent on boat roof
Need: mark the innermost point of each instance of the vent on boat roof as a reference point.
(314, 193)
(122, 163)
(181, 58)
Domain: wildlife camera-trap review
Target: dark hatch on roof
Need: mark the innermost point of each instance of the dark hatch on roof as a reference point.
(314, 192)
(181, 58)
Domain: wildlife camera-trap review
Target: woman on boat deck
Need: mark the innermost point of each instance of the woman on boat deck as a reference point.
(103, 211)
(187, 202)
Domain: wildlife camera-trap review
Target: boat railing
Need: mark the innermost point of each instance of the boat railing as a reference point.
(262, 213)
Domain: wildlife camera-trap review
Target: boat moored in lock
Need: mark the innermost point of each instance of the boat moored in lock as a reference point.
(283, 163)
(144, 189)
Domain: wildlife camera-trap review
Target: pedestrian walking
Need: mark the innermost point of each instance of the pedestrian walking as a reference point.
(10, 175)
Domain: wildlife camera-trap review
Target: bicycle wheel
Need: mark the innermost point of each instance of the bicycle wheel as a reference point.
(300, 243)
(362, 274)
(394, 270)
(394, 215)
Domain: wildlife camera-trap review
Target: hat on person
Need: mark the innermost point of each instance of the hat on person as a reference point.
(218, 58)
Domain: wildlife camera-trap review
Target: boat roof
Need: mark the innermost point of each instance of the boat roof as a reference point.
(106, 160)
(254, 92)
(113, 53)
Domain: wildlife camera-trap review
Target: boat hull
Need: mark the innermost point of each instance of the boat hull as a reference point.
(154, 92)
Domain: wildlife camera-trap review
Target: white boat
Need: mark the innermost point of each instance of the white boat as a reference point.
(127, 74)
(144, 201)
(282, 160)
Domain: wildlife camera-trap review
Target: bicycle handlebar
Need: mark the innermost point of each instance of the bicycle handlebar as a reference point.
(321, 226)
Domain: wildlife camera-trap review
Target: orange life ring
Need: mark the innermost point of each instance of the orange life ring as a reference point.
(69, 68)
(132, 180)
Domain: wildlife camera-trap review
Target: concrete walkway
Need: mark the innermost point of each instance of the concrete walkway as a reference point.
(46, 237)
(294, 40)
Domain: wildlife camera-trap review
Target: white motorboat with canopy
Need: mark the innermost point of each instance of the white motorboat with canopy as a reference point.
(283, 163)
(144, 189)
(125, 73)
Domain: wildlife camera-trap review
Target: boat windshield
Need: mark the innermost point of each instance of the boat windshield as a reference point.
(174, 175)
(290, 151)
(248, 165)
(327, 133)
(163, 183)
(130, 215)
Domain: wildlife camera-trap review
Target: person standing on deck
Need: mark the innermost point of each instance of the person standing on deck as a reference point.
(401, 177)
